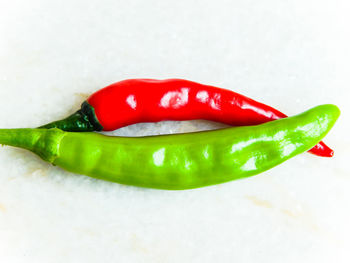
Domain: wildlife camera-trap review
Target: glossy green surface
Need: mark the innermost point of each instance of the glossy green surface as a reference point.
(191, 160)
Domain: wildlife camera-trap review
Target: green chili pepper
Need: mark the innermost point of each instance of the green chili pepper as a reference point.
(180, 161)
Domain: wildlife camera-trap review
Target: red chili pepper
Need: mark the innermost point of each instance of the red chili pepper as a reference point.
(146, 100)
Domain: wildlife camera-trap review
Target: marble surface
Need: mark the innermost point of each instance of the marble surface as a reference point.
(289, 54)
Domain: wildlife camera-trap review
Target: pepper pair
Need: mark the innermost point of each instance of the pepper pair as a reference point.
(180, 161)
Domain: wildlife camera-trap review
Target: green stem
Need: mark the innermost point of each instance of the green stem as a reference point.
(76, 122)
(39, 141)
(81, 121)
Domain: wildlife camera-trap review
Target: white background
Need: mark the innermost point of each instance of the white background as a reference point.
(290, 54)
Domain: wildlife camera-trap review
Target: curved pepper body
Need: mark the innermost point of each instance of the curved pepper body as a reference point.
(181, 161)
(147, 100)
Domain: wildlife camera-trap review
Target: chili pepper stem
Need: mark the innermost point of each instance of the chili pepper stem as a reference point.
(80, 121)
(75, 122)
(42, 142)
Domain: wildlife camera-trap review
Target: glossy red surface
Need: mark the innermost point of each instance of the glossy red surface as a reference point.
(146, 100)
